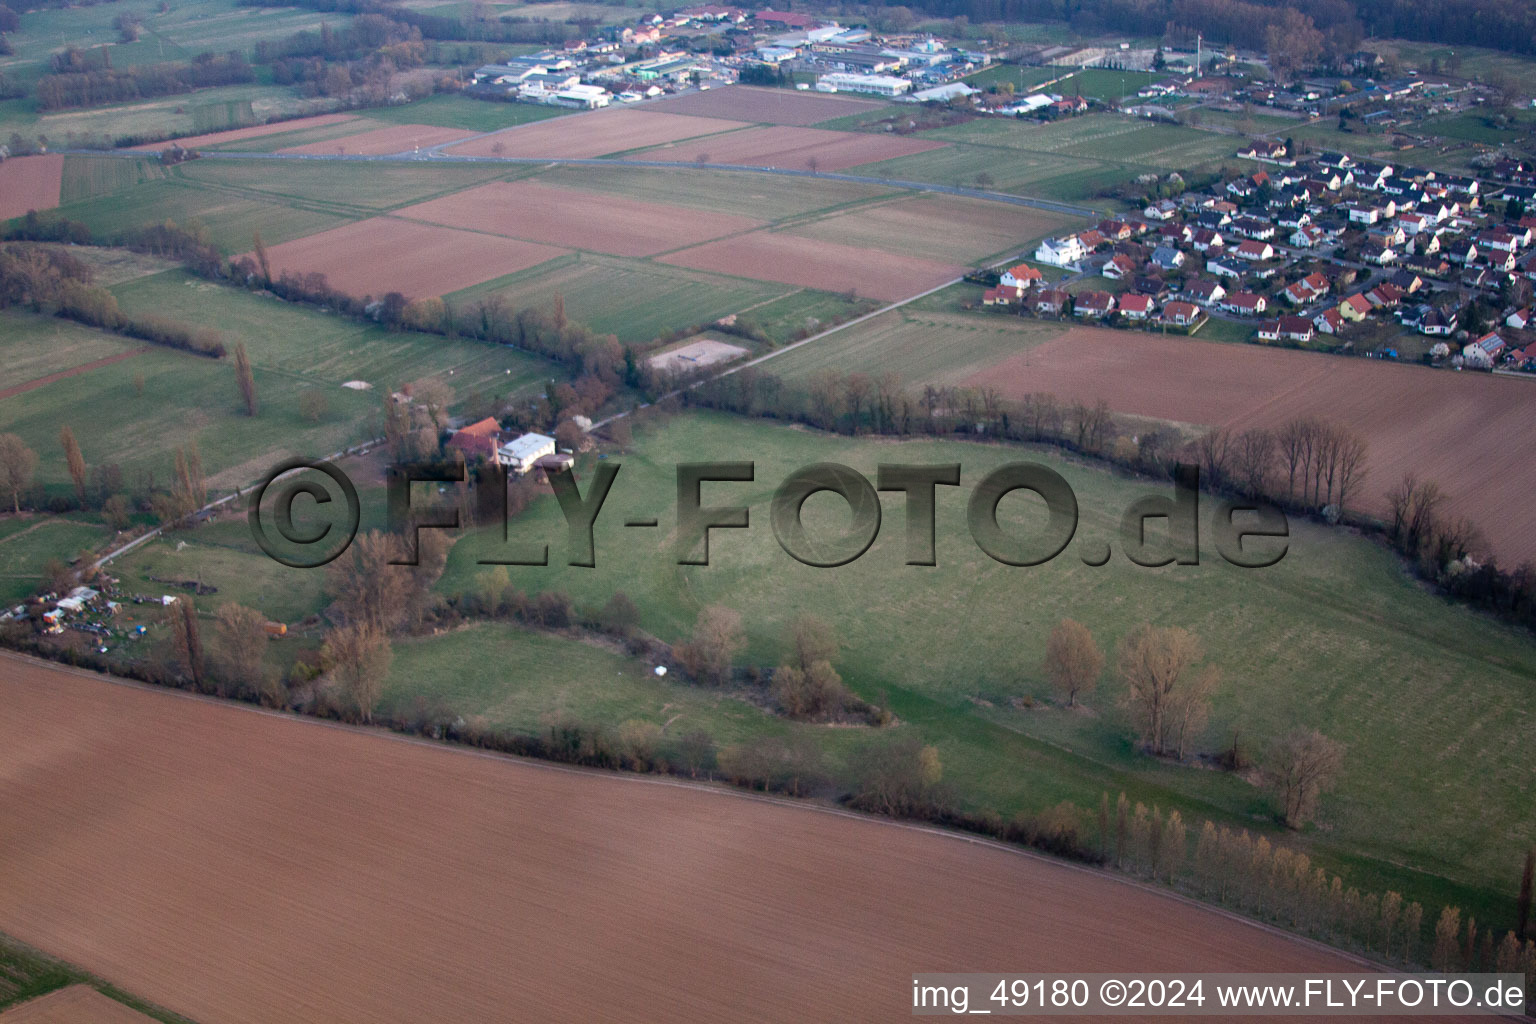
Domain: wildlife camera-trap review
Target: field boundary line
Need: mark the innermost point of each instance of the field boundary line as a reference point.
(73, 371)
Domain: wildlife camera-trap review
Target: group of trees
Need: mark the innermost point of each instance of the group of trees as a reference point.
(85, 78)
(1168, 695)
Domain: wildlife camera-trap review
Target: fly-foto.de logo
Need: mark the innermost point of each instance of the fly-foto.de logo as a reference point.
(305, 514)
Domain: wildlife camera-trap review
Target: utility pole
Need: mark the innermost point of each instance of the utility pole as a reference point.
(1199, 65)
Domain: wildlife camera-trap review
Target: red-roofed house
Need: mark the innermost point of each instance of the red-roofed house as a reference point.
(1021, 276)
(1002, 295)
(1181, 313)
(1094, 304)
(1119, 266)
(1328, 322)
(1308, 288)
(1245, 303)
(1051, 301)
(478, 440)
(1252, 250)
(1355, 308)
(1296, 328)
(1136, 307)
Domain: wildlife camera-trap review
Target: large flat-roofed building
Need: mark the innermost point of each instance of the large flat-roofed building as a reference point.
(519, 455)
(880, 85)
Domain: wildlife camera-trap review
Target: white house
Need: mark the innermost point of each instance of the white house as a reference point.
(1061, 252)
(1021, 276)
(519, 455)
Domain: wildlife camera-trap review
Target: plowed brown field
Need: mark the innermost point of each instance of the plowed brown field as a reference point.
(253, 132)
(384, 254)
(383, 141)
(796, 148)
(29, 183)
(765, 106)
(237, 866)
(77, 1004)
(596, 134)
(1466, 431)
(776, 256)
(581, 220)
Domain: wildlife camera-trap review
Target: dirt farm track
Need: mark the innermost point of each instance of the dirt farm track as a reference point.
(236, 866)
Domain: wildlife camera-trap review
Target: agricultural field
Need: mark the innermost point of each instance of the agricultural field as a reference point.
(207, 110)
(230, 217)
(402, 138)
(607, 224)
(183, 397)
(774, 256)
(918, 347)
(29, 183)
(596, 133)
(405, 847)
(77, 1002)
(637, 300)
(263, 136)
(768, 106)
(448, 110)
(1070, 159)
(948, 228)
(325, 349)
(759, 196)
(418, 260)
(85, 177)
(789, 147)
(1402, 667)
(146, 401)
(1237, 387)
(341, 188)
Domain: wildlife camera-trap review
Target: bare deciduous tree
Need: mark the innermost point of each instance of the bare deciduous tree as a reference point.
(1415, 506)
(809, 640)
(243, 637)
(1164, 699)
(17, 464)
(1303, 765)
(245, 378)
(898, 775)
(358, 656)
(813, 692)
(1254, 459)
(1073, 661)
(73, 460)
(186, 638)
(717, 639)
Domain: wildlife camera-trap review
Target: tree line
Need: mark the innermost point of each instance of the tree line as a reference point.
(1497, 24)
(85, 78)
(51, 281)
(506, 29)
